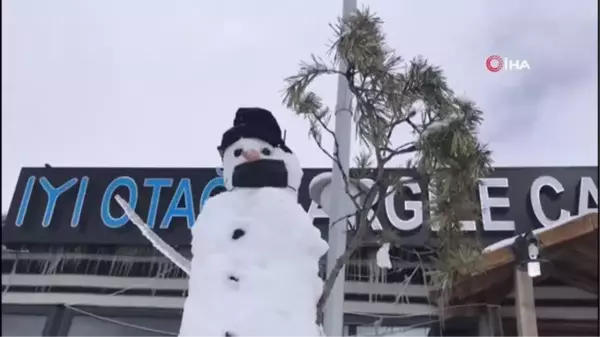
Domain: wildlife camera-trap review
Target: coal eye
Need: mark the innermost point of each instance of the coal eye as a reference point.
(265, 151)
(237, 152)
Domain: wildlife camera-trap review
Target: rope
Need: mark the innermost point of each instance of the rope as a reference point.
(121, 323)
(167, 270)
(170, 333)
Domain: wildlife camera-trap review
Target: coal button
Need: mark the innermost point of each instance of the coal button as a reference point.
(238, 233)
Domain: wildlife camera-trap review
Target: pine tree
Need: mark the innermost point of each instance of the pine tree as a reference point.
(389, 92)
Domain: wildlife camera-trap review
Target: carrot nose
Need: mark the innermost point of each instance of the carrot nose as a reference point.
(251, 155)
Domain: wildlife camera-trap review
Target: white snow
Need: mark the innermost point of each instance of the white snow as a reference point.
(383, 256)
(275, 264)
(509, 241)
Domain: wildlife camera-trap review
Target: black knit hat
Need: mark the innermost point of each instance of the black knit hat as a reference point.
(255, 123)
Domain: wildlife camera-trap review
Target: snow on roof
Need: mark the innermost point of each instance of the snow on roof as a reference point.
(507, 242)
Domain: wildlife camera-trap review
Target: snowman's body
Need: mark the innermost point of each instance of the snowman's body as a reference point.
(255, 249)
(263, 282)
(254, 270)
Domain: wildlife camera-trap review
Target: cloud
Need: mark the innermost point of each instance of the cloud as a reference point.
(545, 116)
(548, 115)
(155, 83)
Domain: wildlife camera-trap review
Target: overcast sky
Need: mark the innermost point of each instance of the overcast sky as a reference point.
(155, 83)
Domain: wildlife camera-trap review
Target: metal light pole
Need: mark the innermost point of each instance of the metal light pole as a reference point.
(333, 323)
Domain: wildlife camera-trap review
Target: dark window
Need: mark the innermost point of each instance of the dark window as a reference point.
(123, 326)
(23, 325)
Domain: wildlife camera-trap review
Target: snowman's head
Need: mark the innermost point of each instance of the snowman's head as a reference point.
(254, 154)
(251, 162)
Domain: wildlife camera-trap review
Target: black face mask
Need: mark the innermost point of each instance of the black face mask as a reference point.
(261, 173)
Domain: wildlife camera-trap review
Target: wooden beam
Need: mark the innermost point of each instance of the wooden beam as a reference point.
(483, 282)
(494, 260)
(566, 272)
(471, 287)
(525, 304)
(490, 291)
(584, 246)
(574, 229)
(494, 295)
(575, 261)
(500, 292)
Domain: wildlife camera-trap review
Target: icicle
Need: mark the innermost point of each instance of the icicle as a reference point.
(156, 241)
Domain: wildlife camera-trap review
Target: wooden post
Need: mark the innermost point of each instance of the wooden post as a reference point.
(485, 328)
(490, 322)
(525, 304)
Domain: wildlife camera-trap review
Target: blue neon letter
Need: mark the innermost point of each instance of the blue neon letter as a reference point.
(107, 218)
(157, 184)
(53, 194)
(25, 201)
(79, 202)
(183, 190)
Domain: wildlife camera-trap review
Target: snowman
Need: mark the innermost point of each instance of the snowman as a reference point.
(254, 270)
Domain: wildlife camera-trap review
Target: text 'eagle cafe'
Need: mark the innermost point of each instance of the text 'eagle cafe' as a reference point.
(181, 204)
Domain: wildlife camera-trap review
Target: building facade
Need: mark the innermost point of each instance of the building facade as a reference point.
(73, 265)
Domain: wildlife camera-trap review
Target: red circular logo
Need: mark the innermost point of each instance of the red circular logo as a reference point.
(494, 63)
